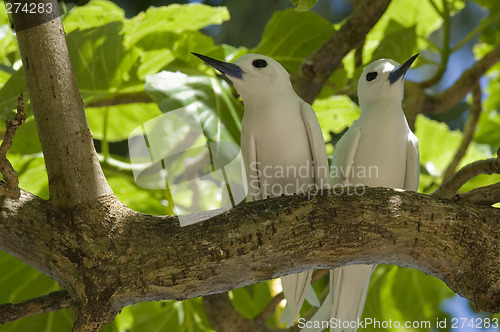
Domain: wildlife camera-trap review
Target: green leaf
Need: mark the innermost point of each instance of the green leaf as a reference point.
(303, 5)
(221, 115)
(161, 316)
(251, 300)
(407, 13)
(99, 58)
(136, 198)
(403, 294)
(335, 114)
(487, 128)
(20, 282)
(9, 93)
(26, 140)
(434, 158)
(399, 43)
(94, 14)
(32, 174)
(118, 122)
(290, 37)
(174, 18)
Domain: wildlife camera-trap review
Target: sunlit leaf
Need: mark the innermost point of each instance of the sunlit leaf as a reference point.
(403, 294)
(21, 282)
(399, 43)
(291, 36)
(251, 300)
(9, 94)
(174, 18)
(94, 14)
(117, 122)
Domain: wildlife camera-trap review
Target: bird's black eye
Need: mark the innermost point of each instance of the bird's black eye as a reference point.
(371, 76)
(259, 63)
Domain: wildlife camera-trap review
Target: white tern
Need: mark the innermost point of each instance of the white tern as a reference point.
(283, 149)
(378, 150)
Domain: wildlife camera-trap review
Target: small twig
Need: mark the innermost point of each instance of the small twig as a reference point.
(358, 54)
(47, 303)
(11, 186)
(487, 195)
(445, 53)
(448, 189)
(271, 307)
(454, 94)
(468, 132)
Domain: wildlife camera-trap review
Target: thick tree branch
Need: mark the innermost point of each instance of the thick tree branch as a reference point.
(108, 256)
(51, 302)
(10, 187)
(73, 169)
(448, 189)
(320, 65)
(468, 132)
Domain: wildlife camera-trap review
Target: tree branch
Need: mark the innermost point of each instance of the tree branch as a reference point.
(445, 52)
(468, 132)
(466, 82)
(47, 303)
(10, 187)
(73, 169)
(318, 67)
(108, 256)
(487, 195)
(418, 101)
(448, 189)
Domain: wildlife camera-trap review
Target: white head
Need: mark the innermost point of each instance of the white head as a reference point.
(382, 82)
(254, 75)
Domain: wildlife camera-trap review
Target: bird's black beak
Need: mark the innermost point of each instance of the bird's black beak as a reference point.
(401, 70)
(224, 67)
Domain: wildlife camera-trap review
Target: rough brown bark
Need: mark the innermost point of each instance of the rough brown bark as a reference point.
(108, 256)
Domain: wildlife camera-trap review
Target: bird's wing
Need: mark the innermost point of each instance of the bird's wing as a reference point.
(343, 156)
(249, 151)
(317, 145)
(296, 288)
(412, 163)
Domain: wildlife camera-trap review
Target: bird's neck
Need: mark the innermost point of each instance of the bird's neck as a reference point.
(382, 106)
(268, 99)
